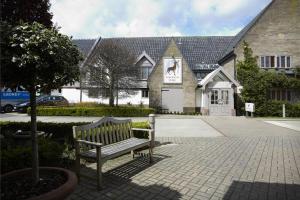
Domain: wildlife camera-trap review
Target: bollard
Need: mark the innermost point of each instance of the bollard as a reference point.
(283, 110)
(152, 121)
(152, 133)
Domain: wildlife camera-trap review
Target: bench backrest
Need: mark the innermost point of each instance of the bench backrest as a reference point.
(106, 131)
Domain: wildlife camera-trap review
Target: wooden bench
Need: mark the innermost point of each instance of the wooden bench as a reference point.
(106, 139)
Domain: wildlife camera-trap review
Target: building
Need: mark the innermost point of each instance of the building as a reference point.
(189, 74)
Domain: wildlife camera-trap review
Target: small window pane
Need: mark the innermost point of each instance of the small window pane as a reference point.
(262, 62)
(278, 61)
(283, 95)
(145, 73)
(272, 61)
(282, 58)
(278, 95)
(267, 61)
(288, 95)
(225, 96)
(288, 61)
(145, 93)
(273, 95)
(214, 97)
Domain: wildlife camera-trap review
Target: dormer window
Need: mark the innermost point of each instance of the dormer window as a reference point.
(145, 72)
(146, 65)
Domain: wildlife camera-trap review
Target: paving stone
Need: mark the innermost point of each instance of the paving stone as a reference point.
(253, 167)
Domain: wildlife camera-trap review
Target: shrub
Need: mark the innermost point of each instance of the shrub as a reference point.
(94, 111)
(61, 132)
(18, 157)
(89, 104)
(54, 152)
(274, 109)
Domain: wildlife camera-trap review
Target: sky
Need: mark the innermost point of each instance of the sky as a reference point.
(84, 19)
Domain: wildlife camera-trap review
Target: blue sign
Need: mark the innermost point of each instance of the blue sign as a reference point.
(15, 95)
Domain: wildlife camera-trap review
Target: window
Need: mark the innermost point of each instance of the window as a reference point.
(145, 72)
(282, 61)
(288, 95)
(272, 61)
(275, 61)
(214, 97)
(145, 93)
(267, 61)
(273, 94)
(280, 94)
(225, 97)
(262, 61)
(288, 61)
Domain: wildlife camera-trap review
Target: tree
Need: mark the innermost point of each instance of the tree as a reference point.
(16, 11)
(112, 69)
(257, 82)
(38, 59)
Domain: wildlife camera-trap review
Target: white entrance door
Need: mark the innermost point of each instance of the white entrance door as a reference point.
(219, 102)
(172, 99)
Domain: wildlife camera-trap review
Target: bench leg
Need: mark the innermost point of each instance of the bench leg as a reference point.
(99, 170)
(77, 161)
(132, 154)
(77, 167)
(150, 154)
(99, 176)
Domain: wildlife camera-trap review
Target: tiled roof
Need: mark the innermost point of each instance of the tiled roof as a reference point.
(196, 50)
(199, 51)
(84, 45)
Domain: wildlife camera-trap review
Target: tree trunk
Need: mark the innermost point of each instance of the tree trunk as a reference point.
(34, 143)
(111, 92)
(111, 97)
(117, 96)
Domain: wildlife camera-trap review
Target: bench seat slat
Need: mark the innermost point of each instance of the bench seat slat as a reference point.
(116, 149)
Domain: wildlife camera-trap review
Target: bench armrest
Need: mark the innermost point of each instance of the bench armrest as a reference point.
(96, 144)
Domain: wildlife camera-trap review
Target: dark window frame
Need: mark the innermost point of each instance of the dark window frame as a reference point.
(145, 93)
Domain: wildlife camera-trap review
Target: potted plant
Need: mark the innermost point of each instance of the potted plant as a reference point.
(39, 60)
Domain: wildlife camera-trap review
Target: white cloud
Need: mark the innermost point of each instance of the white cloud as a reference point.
(120, 18)
(219, 7)
(73, 15)
(228, 31)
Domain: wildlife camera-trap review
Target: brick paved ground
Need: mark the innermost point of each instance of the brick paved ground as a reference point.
(204, 168)
(241, 126)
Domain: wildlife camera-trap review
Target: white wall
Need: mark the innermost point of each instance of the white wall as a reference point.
(73, 96)
(204, 99)
(198, 97)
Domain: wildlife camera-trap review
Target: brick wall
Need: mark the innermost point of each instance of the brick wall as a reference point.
(189, 82)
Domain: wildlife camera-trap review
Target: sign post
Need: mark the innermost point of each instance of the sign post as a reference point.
(283, 110)
(250, 107)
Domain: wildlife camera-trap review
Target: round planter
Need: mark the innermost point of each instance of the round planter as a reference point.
(59, 193)
(23, 138)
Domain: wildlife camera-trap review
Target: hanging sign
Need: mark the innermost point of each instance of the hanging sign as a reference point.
(172, 70)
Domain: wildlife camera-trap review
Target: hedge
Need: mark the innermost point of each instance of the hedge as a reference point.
(61, 132)
(274, 108)
(94, 111)
(54, 151)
